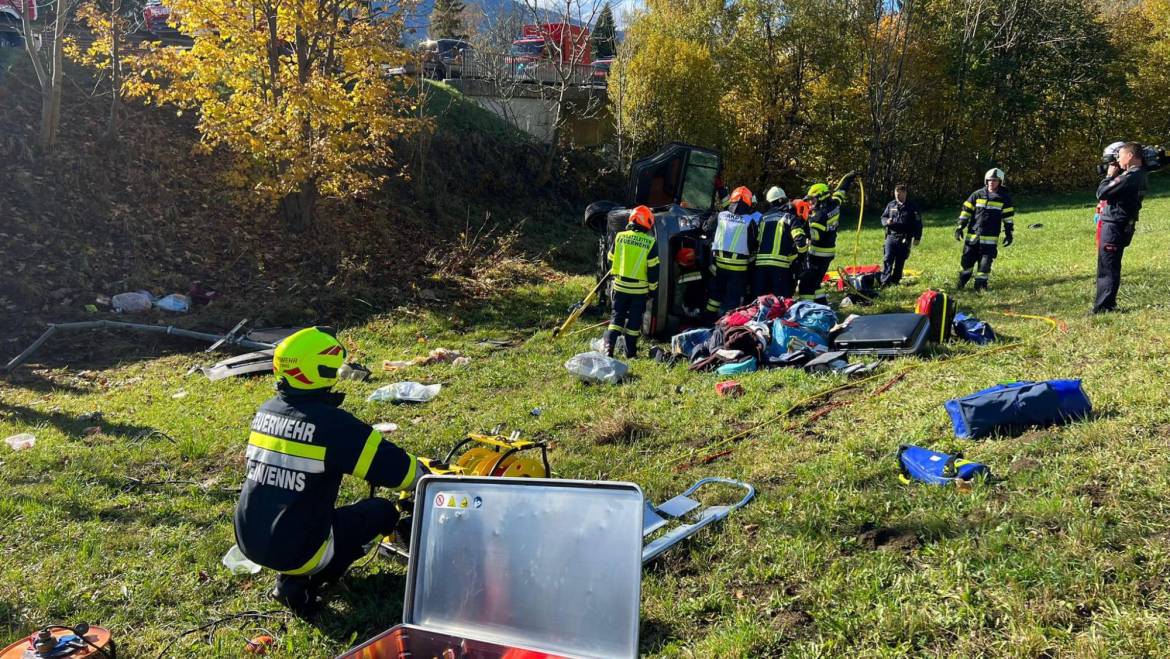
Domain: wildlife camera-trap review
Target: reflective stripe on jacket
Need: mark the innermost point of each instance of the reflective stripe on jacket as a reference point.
(299, 447)
(635, 262)
(985, 214)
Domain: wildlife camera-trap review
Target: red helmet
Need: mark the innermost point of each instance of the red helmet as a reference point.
(685, 257)
(741, 194)
(802, 208)
(643, 217)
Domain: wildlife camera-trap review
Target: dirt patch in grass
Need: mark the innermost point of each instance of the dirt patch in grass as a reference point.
(623, 429)
(889, 539)
(1023, 465)
(790, 620)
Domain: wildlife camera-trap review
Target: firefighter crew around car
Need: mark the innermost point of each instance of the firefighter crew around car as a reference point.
(781, 242)
(301, 444)
(735, 233)
(1122, 192)
(635, 264)
(822, 224)
(903, 225)
(988, 211)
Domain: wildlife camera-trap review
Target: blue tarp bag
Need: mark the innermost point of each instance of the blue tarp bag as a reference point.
(684, 343)
(920, 464)
(974, 330)
(1013, 407)
(788, 337)
(816, 318)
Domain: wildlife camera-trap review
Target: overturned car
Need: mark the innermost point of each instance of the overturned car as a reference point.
(679, 184)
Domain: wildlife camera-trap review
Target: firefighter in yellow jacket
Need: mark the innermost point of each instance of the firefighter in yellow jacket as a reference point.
(635, 279)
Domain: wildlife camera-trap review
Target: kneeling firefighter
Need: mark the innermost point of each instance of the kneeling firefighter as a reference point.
(300, 446)
(735, 233)
(635, 278)
(988, 210)
(782, 240)
(822, 223)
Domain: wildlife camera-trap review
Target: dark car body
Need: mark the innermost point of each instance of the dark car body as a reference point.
(601, 70)
(678, 184)
(443, 58)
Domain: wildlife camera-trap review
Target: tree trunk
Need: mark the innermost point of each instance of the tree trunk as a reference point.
(115, 71)
(51, 94)
(297, 208)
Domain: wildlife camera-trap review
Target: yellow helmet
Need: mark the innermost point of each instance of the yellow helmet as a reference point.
(309, 359)
(819, 191)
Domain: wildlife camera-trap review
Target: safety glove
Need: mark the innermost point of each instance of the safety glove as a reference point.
(959, 233)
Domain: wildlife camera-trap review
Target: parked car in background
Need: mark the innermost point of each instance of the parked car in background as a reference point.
(443, 58)
(11, 29)
(541, 46)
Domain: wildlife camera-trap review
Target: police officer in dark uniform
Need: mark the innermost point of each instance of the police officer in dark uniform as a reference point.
(1122, 191)
(301, 444)
(985, 213)
(903, 224)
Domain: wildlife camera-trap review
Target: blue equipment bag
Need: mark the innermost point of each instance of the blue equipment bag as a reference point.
(816, 318)
(1015, 406)
(920, 464)
(974, 330)
(787, 336)
(685, 343)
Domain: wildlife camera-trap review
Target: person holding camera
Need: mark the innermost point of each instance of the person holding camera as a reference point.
(1121, 191)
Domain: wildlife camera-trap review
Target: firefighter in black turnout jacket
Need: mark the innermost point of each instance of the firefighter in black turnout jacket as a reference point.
(782, 241)
(988, 210)
(300, 446)
(822, 225)
(903, 224)
(634, 262)
(1122, 190)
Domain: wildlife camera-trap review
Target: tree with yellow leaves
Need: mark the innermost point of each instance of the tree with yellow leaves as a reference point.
(296, 91)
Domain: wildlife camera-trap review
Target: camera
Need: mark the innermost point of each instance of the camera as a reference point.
(1153, 158)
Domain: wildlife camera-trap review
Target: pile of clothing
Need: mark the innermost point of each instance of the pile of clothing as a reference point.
(769, 332)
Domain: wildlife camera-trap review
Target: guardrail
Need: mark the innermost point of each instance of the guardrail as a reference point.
(476, 65)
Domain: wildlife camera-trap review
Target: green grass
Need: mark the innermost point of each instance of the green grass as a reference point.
(1067, 557)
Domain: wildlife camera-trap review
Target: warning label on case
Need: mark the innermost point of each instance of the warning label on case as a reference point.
(457, 501)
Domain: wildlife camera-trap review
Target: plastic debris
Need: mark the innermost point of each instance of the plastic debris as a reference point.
(133, 302)
(386, 427)
(180, 394)
(353, 372)
(391, 366)
(406, 392)
(22, 441)
(729, 389)
(596, 367)
(537, 411)
(174, 302)
(461, 361)
(598, 345)
(235, 561)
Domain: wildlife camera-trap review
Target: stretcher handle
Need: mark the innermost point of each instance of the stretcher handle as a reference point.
(751, 491)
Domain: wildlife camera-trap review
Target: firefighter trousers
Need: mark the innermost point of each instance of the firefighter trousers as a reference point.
(773, 280)
(628, 309)
(813, 276)
(976, 254)
(354, 527)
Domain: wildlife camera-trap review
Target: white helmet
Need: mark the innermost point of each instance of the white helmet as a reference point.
(994, 172)
(775, 193)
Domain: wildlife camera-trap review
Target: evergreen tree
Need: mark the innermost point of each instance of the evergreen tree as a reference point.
(604, 34)
(447, 20)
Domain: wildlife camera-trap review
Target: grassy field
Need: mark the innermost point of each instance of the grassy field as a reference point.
(1068, 556)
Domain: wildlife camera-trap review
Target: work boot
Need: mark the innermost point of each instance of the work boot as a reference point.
(980, 285)
(964, 277)
(297, 593)
(631, 347)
